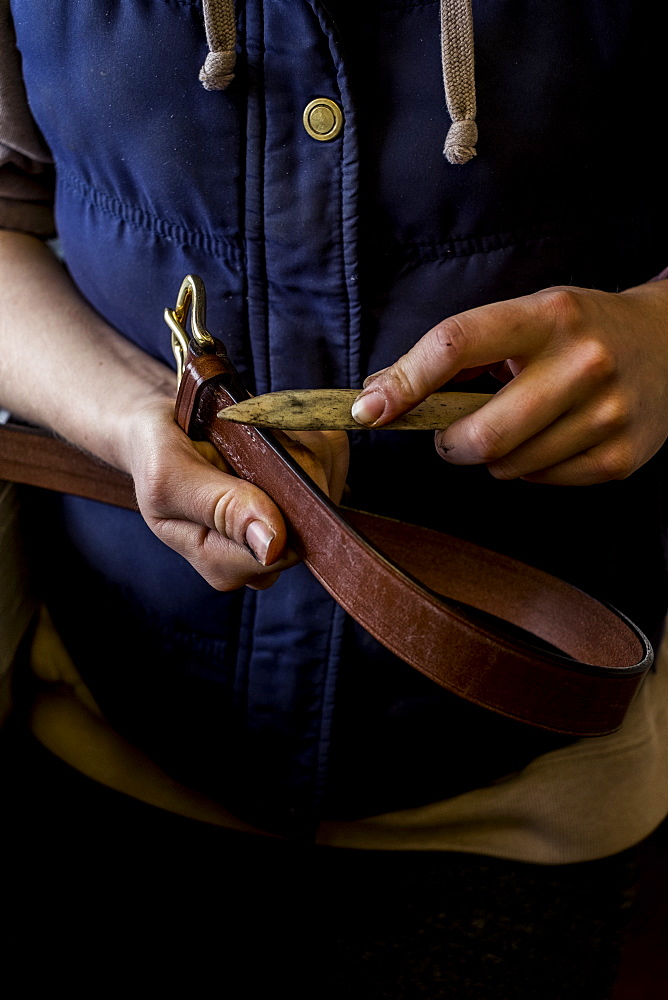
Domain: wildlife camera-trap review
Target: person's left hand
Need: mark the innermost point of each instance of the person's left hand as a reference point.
(588, 397)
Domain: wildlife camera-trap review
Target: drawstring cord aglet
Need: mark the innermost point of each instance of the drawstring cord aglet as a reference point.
(460, 141)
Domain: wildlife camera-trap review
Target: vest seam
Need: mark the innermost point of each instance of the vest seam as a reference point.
(142, 220)
(183, 3)
(396, 6)
(257, 303)
(467, 247)
(329, 686)
(245, 649)
(330, 30)
(263, 190)
(342, 240)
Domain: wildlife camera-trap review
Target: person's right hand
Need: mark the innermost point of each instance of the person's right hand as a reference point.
(227, 529)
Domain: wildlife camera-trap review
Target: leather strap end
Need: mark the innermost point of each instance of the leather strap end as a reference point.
(202, 369)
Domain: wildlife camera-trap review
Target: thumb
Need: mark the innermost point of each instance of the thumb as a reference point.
(182, 484)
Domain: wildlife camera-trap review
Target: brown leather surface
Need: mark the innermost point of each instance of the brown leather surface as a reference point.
(425, 595)
(417, 590)
(32, 456)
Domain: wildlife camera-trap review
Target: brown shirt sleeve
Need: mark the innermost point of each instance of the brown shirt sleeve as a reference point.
(26, 171)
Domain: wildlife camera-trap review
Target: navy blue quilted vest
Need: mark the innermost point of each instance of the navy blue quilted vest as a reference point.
(324, 261)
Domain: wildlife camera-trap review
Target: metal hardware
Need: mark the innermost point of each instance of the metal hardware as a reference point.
(191, 294)
(323, 119)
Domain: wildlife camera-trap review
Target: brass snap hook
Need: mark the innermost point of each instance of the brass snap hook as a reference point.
(191, 300)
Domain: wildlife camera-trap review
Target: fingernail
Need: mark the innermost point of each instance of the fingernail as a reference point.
(258, 539)
(441, 447)
(370, 378)
(368, 407)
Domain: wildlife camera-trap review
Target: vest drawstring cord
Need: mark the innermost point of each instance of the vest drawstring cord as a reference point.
(458, 63)
(217, 72)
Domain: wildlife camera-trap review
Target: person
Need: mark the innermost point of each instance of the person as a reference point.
(211, 676)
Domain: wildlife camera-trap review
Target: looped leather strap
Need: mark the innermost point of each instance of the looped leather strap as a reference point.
(494, 631)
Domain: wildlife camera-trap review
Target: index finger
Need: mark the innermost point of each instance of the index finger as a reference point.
(516, 328)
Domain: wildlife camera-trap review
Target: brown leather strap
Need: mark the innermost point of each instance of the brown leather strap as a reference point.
(477, 623)
(32, 456)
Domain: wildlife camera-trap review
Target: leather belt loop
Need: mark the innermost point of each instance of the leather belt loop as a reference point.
(201, 369)
(498, 633)
(462, 615)
(416, 590)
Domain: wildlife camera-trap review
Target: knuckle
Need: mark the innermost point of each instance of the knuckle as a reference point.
(233, 509)
(595, 360)
(487, 441)
(617, 462)
(431, 362)
(565, 304)
(219, 504)
(404, 382)
(450, 337)
(612, 414)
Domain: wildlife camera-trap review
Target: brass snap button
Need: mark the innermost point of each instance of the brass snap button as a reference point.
(323, 119)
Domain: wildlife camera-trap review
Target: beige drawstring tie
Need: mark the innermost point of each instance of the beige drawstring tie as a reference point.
(459, 79)
(456, 55)
(221, 34)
